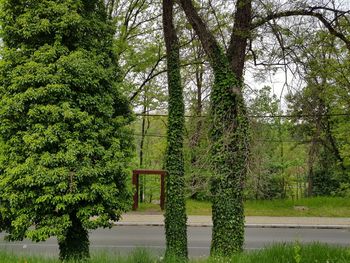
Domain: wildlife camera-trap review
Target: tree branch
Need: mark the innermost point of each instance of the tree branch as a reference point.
(209, 43)
(304, 12)
(149, 77)
(218, 23)
(241, 32)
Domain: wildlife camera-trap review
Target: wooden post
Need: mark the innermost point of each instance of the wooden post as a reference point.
(135, 182)
(162, 193)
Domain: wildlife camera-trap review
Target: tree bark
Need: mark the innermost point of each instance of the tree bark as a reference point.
(75, 246)
(236, 52)
(311, 162)
(175, 208)
(144, 130)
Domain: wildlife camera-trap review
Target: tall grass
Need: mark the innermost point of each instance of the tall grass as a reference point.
(6, 257)
(279, 253)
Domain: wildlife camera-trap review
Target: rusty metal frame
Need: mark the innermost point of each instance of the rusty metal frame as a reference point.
(135, 182)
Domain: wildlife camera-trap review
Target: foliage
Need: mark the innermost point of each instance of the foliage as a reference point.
(154, 140)
(197, 158)
(263, 179)
(325, 170)
(140, 50)
(279, 253)
(63, 121)
(325, 99)
(275, 170)
(151, 146)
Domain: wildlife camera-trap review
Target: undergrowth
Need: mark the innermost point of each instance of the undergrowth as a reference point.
(278, 253)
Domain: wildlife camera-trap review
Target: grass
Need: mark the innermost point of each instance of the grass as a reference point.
(279, 253)
(296, 253)
(316, 206)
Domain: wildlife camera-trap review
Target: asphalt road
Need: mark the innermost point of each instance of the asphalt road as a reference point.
(123, 239)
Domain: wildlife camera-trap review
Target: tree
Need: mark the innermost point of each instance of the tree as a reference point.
(175, 207)
(325, 100)
(229, 130)
(63, 124)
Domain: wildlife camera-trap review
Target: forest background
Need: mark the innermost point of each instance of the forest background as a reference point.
(296, 89)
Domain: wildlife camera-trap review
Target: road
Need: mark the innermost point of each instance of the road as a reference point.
(123, 239)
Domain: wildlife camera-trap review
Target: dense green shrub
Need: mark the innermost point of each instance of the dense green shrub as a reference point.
(62, 122)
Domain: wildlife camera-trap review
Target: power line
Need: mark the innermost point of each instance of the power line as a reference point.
(258, 116)
(150, 135)
(260, 140)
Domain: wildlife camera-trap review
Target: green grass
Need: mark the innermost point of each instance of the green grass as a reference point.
(316, 206)
(148, 207)
(6, 257)
(295, 254)
(279, 253)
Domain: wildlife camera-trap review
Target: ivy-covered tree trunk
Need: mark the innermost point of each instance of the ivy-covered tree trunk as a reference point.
(75, 244)
(63, 123)
(229, 130)
(175, 208)
(228, 136)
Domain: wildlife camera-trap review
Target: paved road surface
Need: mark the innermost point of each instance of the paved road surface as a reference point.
(123, 239)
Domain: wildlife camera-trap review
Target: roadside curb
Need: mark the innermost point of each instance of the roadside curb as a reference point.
(298, 226)
(295, 226)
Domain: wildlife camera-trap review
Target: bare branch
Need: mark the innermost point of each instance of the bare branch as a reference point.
(151, 75)
(304, 12)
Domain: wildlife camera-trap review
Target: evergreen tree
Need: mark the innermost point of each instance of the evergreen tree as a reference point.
(63, 122)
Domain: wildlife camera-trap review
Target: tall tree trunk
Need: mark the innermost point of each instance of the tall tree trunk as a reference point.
(198, 120)
(144, 130)
(311, 161)
(175, 208)
(229, 130)
(75, 246)
(282, 161)
(333, 144)
(194, 141)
